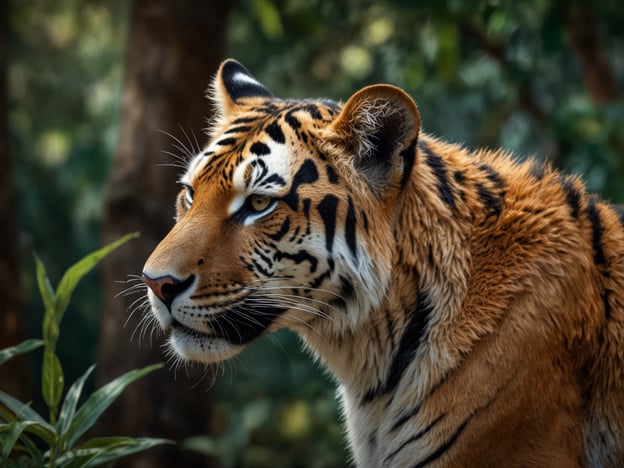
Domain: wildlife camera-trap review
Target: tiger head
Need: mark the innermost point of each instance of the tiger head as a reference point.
(285, 219)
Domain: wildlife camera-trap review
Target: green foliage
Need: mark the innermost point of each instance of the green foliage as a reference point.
(23, 430)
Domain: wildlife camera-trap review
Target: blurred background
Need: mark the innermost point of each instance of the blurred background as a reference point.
(97, 98)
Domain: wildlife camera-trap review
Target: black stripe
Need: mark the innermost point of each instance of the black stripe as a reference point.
(306, 174)
(408, 346)
(607, 304)
(238, 129)
(260, 149)
(259, 268)
(491, 174)
(273, 179)
(408, 155)
(350, 231)
(327, 209)
(242, 120)
(282, 232)
(405, 417)
(314, 112)
(415, 437)
(390, 327)
(597, 230)
(364, 221)
(347, 291)
(439, 170)
(275, 132)
(299, 257)
(445, 446)
(293, 121)
(331, 175)
(573, 195)
(490, 200)
(226, 142)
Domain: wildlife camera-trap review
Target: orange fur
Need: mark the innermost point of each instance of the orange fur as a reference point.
(471, 307)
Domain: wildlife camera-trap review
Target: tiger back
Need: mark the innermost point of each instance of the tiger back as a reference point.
(470, 306)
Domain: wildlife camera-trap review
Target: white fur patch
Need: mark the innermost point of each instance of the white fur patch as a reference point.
(244, 78)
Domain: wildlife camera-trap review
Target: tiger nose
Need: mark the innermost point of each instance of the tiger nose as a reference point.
(167, 287)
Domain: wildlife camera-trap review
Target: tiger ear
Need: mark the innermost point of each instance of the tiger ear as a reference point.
(233, 85)
(377, 129)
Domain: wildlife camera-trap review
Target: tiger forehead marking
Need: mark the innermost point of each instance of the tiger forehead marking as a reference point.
(470, 306)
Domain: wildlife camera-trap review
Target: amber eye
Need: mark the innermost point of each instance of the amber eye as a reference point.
(259, 202)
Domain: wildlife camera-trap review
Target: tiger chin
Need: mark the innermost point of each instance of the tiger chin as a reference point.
(470, 306)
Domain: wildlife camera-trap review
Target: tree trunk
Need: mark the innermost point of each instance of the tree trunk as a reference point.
(598, 77)
(14, 376)
(174, 49)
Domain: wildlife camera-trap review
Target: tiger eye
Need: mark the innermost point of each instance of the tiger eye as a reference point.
(260, 202)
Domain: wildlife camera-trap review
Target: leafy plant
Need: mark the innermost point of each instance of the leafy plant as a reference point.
(23, 431)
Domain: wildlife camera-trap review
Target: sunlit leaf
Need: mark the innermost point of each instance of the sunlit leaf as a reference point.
(97, 403)
(23, 411)
(24, 347)
(13, 432)
(48, 296)
(34, 423)
(105, 449)
(71, 401)
(72, 276)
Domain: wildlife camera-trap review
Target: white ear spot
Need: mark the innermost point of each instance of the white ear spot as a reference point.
(244, 78)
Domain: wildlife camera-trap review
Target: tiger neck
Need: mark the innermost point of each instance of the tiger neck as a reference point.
(428, 284)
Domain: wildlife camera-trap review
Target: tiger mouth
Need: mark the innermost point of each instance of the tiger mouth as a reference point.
(178, 326)
(237, 326)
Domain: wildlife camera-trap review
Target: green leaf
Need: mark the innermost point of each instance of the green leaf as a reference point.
(97, 403)
(45, 288)
(42, 430)
(133, 446)
(71, 401)
(21, 348)
(48, 296)
(14, 431)
(106, 449)
(73, 275)
(22, 410)
(52, 381)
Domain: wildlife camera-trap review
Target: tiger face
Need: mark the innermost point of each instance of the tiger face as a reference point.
(271, 227)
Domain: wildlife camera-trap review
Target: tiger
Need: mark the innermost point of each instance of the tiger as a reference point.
(468, 303)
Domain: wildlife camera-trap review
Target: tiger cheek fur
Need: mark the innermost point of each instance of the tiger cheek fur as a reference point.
(470, 306)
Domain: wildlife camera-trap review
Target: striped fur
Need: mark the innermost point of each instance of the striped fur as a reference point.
(470, 306)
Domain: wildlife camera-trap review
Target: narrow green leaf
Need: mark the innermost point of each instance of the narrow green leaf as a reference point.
(129, 448)
(45, 288)
(42, 430)
(48, 296)
(105, 449)
(21, 348)
(14, 431)
(97, 403)
(71, 401)
(25, 446)
(52, 381)
(73, 275)
(22, 410)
